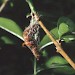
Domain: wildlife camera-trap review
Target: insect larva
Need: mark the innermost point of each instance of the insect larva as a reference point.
(29, 40)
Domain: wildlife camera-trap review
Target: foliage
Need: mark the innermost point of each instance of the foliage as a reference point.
(63, 30)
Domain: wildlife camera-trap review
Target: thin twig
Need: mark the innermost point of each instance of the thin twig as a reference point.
(58, 46)
(3, 5)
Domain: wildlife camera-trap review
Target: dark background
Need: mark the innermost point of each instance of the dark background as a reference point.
(15, 60)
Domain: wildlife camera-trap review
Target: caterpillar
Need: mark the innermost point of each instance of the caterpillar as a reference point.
(30, 41)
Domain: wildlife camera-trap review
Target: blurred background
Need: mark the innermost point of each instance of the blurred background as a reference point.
(16, 57)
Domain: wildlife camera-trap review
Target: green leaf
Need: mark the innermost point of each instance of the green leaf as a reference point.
(65, 25)
(64, 70)
(11, 4)
(68, 38)
(46, 39)
(70, 24)
(63, 28)
(61, 70)
(44, 53)
(6, 40)
(11, 27)
(55, 60)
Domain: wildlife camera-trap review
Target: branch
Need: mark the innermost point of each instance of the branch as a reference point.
(3, 5)
(58, 46)
(31, 6)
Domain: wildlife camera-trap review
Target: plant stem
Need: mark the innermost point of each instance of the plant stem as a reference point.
(35, 72)
(31, 5)
(3, 5)
(58, 46)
